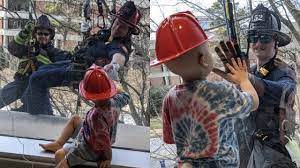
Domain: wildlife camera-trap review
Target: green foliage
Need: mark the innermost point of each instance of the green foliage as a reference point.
(55, 23)
(63, 8)
(53, 8)
(217, 10)
(156, 96)
(155, 123)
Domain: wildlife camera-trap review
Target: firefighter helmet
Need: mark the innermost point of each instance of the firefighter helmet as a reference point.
(43, 22)
(130, 15)
(265, 21)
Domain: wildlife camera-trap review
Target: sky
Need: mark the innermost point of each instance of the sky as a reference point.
(163, 8)
(160, 9)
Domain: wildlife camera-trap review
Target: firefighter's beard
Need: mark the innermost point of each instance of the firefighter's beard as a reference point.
(42, 45)
(43, 41)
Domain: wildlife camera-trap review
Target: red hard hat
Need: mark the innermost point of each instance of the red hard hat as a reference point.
(177, 35)
(96, 85)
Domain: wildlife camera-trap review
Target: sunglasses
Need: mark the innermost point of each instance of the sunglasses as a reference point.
(263, 38)
(43, 34)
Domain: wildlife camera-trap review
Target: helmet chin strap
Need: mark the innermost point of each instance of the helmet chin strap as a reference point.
(265, 69)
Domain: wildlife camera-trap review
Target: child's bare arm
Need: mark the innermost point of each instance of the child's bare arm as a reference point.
(239, 76)
(246, 86)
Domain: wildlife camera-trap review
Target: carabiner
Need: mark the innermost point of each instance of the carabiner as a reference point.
(100, 11)
(103, 21)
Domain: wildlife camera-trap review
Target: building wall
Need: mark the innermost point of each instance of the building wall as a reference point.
(1, 27)
(68, 44)
(41, 5)
(160, 75)
(1, 24)
(156, 82)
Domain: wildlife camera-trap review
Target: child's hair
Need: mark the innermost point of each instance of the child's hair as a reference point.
(96, 85)
(196, 63)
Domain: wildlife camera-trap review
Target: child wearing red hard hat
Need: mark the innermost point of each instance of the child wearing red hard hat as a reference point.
(97, 132)
(198, 115)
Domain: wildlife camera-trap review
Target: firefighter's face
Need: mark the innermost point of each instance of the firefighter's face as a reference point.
(43, 36)
(119, 28)
(263, 48)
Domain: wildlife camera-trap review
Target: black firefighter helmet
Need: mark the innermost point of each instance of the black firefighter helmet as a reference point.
(130, 15)
(43, 22)
(265, 21)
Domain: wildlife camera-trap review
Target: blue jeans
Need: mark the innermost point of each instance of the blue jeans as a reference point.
(36, 97)
(12, 91)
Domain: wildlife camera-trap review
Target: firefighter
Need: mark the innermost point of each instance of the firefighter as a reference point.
(34, 48)
(108, 48)
(275, 83)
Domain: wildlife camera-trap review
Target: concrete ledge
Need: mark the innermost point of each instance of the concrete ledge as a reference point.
(27, 151)
(49, 127)
(130, 150)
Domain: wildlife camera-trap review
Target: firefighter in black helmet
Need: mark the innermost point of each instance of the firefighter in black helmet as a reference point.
(33, 46)
(275, 84)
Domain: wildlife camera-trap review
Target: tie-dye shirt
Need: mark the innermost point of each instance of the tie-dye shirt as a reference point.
(198, 117)
(100, 124)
